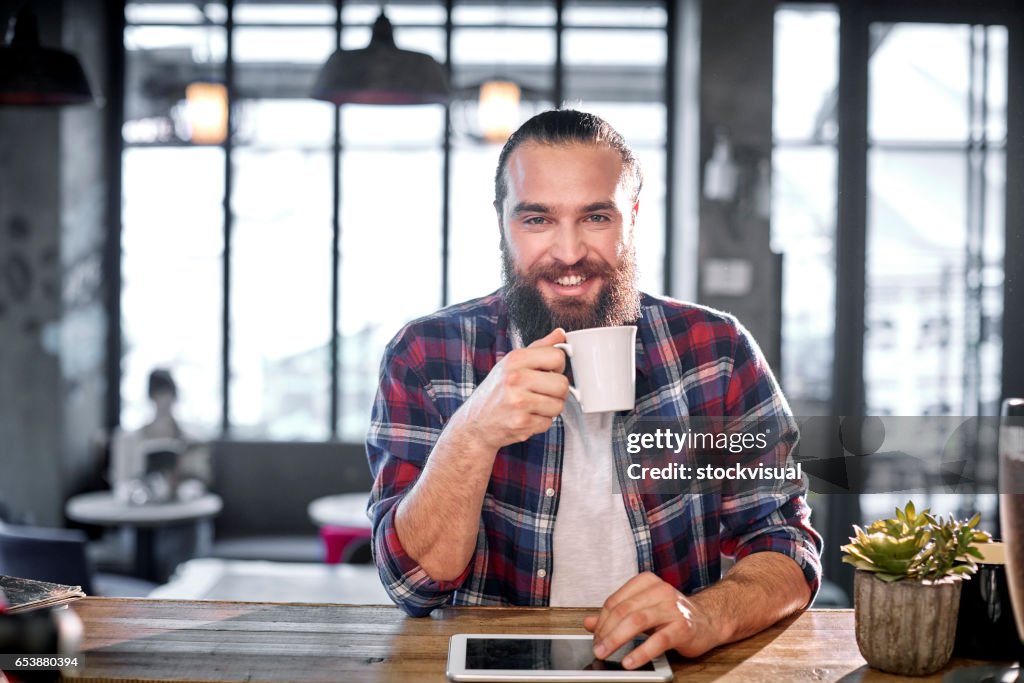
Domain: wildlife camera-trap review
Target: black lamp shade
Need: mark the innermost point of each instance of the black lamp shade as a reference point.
(381, 73)
(31, 75)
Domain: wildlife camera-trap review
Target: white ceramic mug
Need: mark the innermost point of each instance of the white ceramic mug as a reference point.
(604, 367)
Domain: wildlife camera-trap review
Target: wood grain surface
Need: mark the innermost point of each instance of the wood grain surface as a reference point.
(169, 640)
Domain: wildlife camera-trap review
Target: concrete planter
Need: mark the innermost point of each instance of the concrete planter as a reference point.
(905, 627)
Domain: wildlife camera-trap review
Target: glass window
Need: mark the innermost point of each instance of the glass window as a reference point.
(281, 294)
(283, 158)
(623, 48)
(475, 263)
(390, 263)
(272, 45)
(285, 123)
(498, 45)
(935, 220)
(806, 74)
(803, 207)
(160, 63)
(172, 244)
(174, 12)
(591, 13)
(397, 12)
(540, 13)
(918, 80)
(247, 12)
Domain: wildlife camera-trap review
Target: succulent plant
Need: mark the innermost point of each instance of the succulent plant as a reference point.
(916, 546)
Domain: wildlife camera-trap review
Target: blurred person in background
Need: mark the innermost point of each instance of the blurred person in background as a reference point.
(186, 463)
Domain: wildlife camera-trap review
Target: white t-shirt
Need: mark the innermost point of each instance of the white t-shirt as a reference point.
(593, 549)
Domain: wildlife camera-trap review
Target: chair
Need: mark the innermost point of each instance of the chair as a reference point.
(58, 556)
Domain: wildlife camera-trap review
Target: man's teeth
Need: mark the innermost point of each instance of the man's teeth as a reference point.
(571, 280)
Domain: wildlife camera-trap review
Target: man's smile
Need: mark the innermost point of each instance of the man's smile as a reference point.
(569, 285)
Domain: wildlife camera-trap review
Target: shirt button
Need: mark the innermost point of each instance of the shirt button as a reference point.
(549, 493)
(542, 573)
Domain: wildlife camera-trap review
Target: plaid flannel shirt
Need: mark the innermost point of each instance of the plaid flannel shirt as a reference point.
(691, 361)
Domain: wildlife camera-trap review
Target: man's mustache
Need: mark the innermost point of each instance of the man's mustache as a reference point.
(552, 271)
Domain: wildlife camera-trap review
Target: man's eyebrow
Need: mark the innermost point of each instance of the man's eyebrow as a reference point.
(530, 207)
(600, 206)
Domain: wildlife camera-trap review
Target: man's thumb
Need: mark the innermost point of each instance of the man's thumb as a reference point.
(556, 336)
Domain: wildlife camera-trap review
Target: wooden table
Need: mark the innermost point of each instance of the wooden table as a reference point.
(154, 640)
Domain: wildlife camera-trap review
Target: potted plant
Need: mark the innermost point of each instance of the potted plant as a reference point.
(907, 587)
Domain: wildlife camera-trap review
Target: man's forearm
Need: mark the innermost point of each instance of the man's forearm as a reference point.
(438, 520)
(758, 591)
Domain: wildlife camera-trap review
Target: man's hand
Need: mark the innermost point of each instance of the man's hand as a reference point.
(759, 590)
(647, 604)
(520, 397)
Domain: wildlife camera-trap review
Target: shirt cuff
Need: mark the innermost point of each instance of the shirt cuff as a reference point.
(793, 544)
(404, 579)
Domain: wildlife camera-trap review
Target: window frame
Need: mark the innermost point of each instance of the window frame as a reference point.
(119, 24)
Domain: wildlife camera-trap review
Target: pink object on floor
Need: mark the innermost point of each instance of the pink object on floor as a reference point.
(337, 538)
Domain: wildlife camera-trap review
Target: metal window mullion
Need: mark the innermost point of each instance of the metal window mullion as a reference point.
(670, 96)
(559, 67)
(334, 363)
(974, 160)
(851, 227)
(112, 251)
(229, 83)
(446, 163)
(1013, 258)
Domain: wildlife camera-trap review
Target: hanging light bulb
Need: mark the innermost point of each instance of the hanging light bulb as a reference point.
(499, 109)
(206, 109)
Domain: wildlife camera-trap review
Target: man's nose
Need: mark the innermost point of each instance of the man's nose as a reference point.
(569, 246)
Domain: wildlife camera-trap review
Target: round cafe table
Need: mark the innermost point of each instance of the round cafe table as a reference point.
(102, 508)
(342, 520)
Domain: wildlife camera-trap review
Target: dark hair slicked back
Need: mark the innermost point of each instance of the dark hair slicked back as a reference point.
(566, 127)
(160, 380)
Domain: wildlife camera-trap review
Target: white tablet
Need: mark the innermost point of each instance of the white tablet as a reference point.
(490, 657)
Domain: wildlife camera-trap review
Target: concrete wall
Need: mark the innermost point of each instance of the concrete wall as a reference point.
(52, 184)
(736, 56)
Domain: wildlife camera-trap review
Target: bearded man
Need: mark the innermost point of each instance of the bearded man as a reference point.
(492, 487)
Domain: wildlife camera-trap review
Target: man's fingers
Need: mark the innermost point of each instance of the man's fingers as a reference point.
(545, 406)
(637, 584)
(624, 630)
(661, 641)
(641, 616)
(546, 358)
(556, 336)
(590, 622)
(550, 384)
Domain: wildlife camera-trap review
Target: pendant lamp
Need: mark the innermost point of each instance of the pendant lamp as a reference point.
(32, 75)
(381, 73)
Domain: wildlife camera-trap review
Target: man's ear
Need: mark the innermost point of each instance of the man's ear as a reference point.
(634, 212)
(497, 210)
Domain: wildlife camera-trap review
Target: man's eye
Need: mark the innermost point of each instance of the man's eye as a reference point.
(534, 220)
(598, 218)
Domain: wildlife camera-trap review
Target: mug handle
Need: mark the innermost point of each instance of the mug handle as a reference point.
(572, 390)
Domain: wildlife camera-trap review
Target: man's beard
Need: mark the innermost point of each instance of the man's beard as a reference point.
(618, 302)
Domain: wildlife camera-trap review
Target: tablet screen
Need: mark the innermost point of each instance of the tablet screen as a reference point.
(539, 654)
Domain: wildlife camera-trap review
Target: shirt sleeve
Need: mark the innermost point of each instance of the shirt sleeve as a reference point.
(404, 426)
(772, 514)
